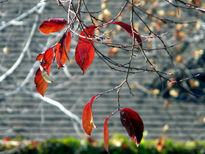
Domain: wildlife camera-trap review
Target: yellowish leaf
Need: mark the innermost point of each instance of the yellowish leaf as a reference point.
(161, 13)
(133, 86)
(171, 13)
(179, 59)
(174, 93)
(198, 53)
(106, 14)
(194, 83)
(6, 50)
(155, 91)
(165, 128)
(160, 144)
(178, 26)
(113, 52)
(103, 6)
(197, 25)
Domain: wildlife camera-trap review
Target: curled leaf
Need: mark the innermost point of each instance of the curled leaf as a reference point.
(84, 52)
(62, 48)
(46, 59)
(52, 25)
(128, 29)
(41, 84)
(106, 134)
(87, 117)
(133, 124)
(47, 56)
(42, 74)
(39, 57)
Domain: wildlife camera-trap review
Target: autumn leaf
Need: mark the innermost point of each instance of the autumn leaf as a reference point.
(84, 56)
(133, 124)
(39, 57)
(61, 49)
(113, 52)
(128, 29)
(47, 56)
(87, 117)
(6, 139)
(106, 134)
(46, 59)
(196, 2)
(84, 53)
(35, 143)
(42, 74)
(160, 144)
(58, 51)
(52, 25)
(41, 84)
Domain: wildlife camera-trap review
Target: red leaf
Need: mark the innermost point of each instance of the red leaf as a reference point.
(47, 59)
(84, 52)
(87, 32)
(48, 56)
(6, 139)
(87, 117)
(133, 124)
(128, 28)
(106, 134)
(58, 52)
(41, 84)
(62, 49)
(41, 78)
(52, 25)
(35, 143)
(39, 57)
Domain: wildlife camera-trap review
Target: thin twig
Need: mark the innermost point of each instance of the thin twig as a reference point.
(71, 115)
(39, 6)
(26, 47)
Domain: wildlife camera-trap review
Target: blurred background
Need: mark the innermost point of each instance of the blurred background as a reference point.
(169, 110)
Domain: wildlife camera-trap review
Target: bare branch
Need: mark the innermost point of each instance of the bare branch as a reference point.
(38, 8)
(55, 103)
(26, 47)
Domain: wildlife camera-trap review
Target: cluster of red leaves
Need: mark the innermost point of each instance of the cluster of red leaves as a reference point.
(41, 79)
(59, 52)
(84, 51)
(129, 119)
(84, 55)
